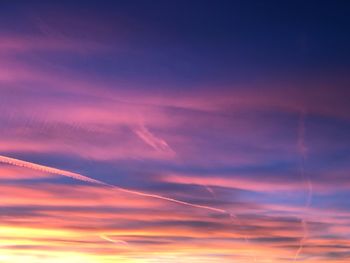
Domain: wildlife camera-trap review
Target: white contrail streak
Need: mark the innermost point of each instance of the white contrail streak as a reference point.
(107, 238)
(80, 177)
(150, 139)
(233, 218)
(211, 191)
(38, 167)
(306, 179)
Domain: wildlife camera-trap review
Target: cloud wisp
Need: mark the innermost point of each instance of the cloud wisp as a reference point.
(150, 139)
(302, 149)
(20, 163)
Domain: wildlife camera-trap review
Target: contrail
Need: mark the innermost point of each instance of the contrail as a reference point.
(105, 237)
(38, 167)
(150, 139)
(80, 177)
(306, 179)
(210, 190)
(233, 217)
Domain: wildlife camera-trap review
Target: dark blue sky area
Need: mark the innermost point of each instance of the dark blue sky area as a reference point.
(198, 41)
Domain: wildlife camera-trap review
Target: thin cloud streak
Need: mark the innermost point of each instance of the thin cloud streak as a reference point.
(47, 169)
(83, 178)
(307, 181)
(156, 143)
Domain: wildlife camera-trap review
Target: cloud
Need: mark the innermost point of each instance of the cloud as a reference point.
(157, 144)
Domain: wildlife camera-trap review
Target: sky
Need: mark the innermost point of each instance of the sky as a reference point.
(174, 131)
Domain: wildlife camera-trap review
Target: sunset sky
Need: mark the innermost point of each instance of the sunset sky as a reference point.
(174, 131)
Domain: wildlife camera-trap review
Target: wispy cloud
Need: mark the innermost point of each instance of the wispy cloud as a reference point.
(150, 139)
